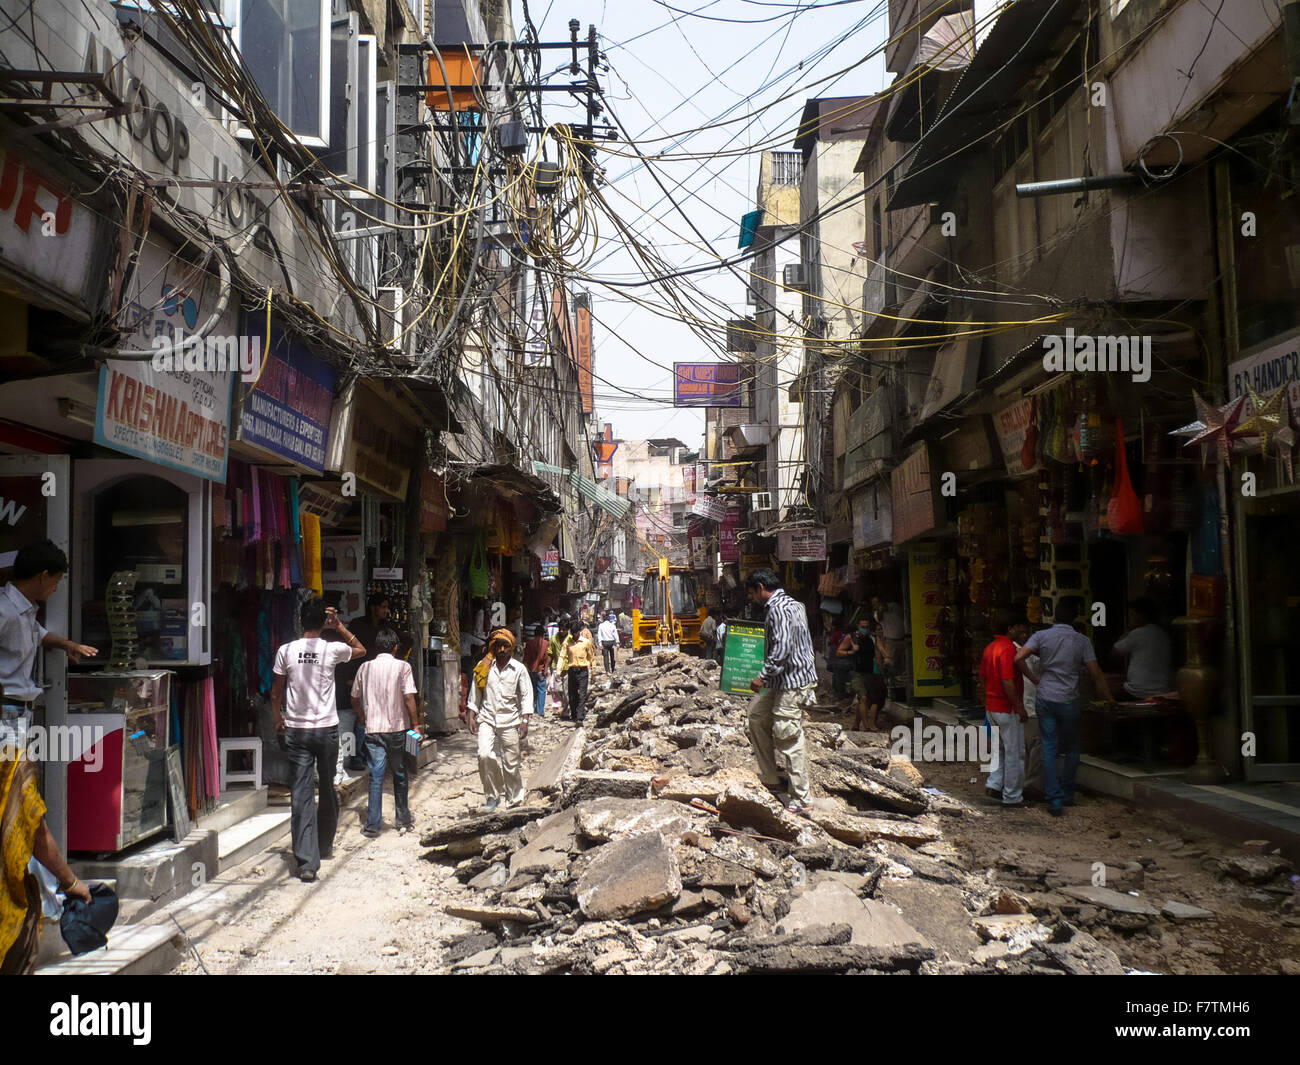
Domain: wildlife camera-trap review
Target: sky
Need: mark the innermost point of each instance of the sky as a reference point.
(678, 68)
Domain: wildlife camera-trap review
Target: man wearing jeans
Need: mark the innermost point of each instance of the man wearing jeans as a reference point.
(784, 686)
(302, 704)
(1063, 654)
(1004, 705)
(383, 695)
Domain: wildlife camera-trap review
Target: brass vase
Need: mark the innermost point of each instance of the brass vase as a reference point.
(1198, 685)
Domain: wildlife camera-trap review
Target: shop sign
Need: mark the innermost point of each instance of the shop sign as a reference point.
(45, 235)
(1266, 371)
(1011, 424)
(688, 481)
(342, 559)
(387, 573)
(380, 447)
(873, 517)
(167, 415)
(743, 656)
(728, 544)
(706, 384)
(551, 564)
(286, 411)
(710, 507)
(749, 563)
(925, 581)
(971, 447)
(433, 502)
(913, 492)
(801, 545)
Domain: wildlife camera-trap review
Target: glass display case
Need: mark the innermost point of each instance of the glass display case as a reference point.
(117, 779)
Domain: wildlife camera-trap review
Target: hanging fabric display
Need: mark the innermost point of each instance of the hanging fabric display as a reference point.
(311, 552)
(478, 568)
(1123, 511)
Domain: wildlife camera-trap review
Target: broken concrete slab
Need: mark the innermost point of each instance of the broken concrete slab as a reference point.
(847, 825)
(1181, 911)
(1082, 955)
(685, 788)
(494, 915)
(629, 876)
(841, 774)
(830, 959)
(605, 819)
(743, 805)
(563, 759)
(1128, 877)
(874, 924)
(902, 769)
(581, 785)
(549, 848)
(1110, 899)
(937, 911)
(1255, 868)
(485, 825)
(1002, 925)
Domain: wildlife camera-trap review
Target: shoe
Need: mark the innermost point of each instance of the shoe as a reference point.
(370, 833)
(307, 877)
(490, 807)
(794, 806)
(327, 855)
(1012, 805)
(1055, 810)
(994, 793)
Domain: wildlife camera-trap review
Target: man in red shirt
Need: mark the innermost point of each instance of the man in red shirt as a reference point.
(538, 663)
(1003, 703)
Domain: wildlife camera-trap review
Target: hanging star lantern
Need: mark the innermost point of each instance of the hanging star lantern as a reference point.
(1285, 439)
(1213, 425)
(1266, 419)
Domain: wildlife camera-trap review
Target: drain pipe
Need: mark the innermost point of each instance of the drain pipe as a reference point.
(1080, 184)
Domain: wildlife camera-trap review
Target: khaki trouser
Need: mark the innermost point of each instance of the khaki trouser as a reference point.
(776, 727)
(498, 763)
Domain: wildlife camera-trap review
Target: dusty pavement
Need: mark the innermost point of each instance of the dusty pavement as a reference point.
(615, 871)
(377, 907)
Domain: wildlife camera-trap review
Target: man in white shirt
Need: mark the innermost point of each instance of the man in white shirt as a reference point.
(1149, 653)
(302, 704)
(38, 569)
(709, 634)
(383, 695)
(607, 636)
(499, 713)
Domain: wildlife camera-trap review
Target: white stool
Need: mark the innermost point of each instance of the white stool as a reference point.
(243, 743)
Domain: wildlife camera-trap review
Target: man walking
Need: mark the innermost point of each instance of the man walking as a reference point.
(302, 704)
(383, 696)
(38, 569)
(708, 634)
(786, 683)
(538, 663)
(862, 650)
(1063, 653)
(1000, 678)
(499, 711)
(607, 634)
(576, 660)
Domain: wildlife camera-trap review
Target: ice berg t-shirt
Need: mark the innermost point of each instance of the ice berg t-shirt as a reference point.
(308, 666)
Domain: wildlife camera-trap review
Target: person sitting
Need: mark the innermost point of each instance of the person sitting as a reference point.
(1147, 647)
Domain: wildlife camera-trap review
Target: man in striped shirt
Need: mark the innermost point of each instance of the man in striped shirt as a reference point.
(786, 684)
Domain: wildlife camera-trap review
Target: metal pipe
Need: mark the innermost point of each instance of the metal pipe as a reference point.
(1080, 184)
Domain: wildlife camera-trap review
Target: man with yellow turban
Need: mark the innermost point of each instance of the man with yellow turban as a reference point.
(499, 712)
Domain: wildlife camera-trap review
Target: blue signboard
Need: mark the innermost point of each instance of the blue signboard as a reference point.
(287, 409)
(706, 384)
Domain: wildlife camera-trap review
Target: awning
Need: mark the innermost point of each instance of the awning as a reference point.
(515, 483)
(747, 436)
(956, 366)
(602, 497)
(1023, 37)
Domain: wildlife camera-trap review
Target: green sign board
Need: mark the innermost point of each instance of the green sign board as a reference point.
(743, 655)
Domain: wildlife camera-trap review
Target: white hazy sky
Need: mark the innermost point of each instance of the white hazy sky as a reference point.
(677, 65)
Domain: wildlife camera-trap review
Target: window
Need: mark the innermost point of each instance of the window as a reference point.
(385, 156)
(367, 127)
(286, 46)
(787, 168)
(340, 156)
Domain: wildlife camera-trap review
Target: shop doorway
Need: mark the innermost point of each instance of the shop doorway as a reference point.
(35, 497)
(1270, 607)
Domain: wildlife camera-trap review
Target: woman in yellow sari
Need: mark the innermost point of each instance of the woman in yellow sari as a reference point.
(25, 835)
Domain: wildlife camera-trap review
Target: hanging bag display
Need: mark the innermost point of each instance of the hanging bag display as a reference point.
(1123, 511)
(478, 569)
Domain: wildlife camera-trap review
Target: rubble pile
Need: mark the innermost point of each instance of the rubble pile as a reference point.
(650, 845)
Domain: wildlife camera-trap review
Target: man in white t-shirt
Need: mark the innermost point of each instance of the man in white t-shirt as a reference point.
(1147, 646)
(302, 703)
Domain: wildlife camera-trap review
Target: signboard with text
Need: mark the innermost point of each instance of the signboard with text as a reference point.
(913, 492)
(1266, 371)
(742, 658)
(1012, 423)
(925, 579)
(706, 384)
(287, 411)
(801, 545)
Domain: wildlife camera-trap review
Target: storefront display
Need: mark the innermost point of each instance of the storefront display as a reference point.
(117, 788)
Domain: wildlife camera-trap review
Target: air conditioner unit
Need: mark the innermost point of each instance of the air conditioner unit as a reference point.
(795, 276)
(390, 300)
(761, 501)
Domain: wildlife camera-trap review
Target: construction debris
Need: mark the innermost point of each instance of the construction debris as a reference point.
(650, 845)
